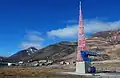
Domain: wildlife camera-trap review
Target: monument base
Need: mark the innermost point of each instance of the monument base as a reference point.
(83, 67)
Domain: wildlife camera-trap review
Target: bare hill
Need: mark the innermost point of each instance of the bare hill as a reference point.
(64, 50)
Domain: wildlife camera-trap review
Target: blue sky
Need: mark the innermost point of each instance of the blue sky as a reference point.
(25, 23)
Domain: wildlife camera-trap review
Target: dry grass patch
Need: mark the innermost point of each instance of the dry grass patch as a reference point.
(33, 73)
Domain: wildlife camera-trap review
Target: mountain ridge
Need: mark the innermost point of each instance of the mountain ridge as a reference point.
(99, 42)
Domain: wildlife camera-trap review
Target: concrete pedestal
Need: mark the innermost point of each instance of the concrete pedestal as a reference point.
(82, 67)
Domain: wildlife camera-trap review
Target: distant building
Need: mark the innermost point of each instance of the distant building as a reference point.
(9, 64)
(20, 62)
(35, 63)
(42, 61)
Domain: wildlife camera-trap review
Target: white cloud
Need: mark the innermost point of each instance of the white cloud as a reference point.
(67, 32)
(91, 26)
(33, 39)
(34, 36)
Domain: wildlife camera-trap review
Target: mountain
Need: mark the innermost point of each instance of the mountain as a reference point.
(67, 50)
(23, 54)
(106, 34)
(99, 42)
(55, 51)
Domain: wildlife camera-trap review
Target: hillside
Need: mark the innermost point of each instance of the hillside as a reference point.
(106, 34)
(22, 54)
(56, 51)
(66, 50)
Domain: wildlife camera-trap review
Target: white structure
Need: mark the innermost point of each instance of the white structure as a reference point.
(67, 63)
(9, 64)
(82, 67)
(42, 61)
(20, 62)
(62, 62)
